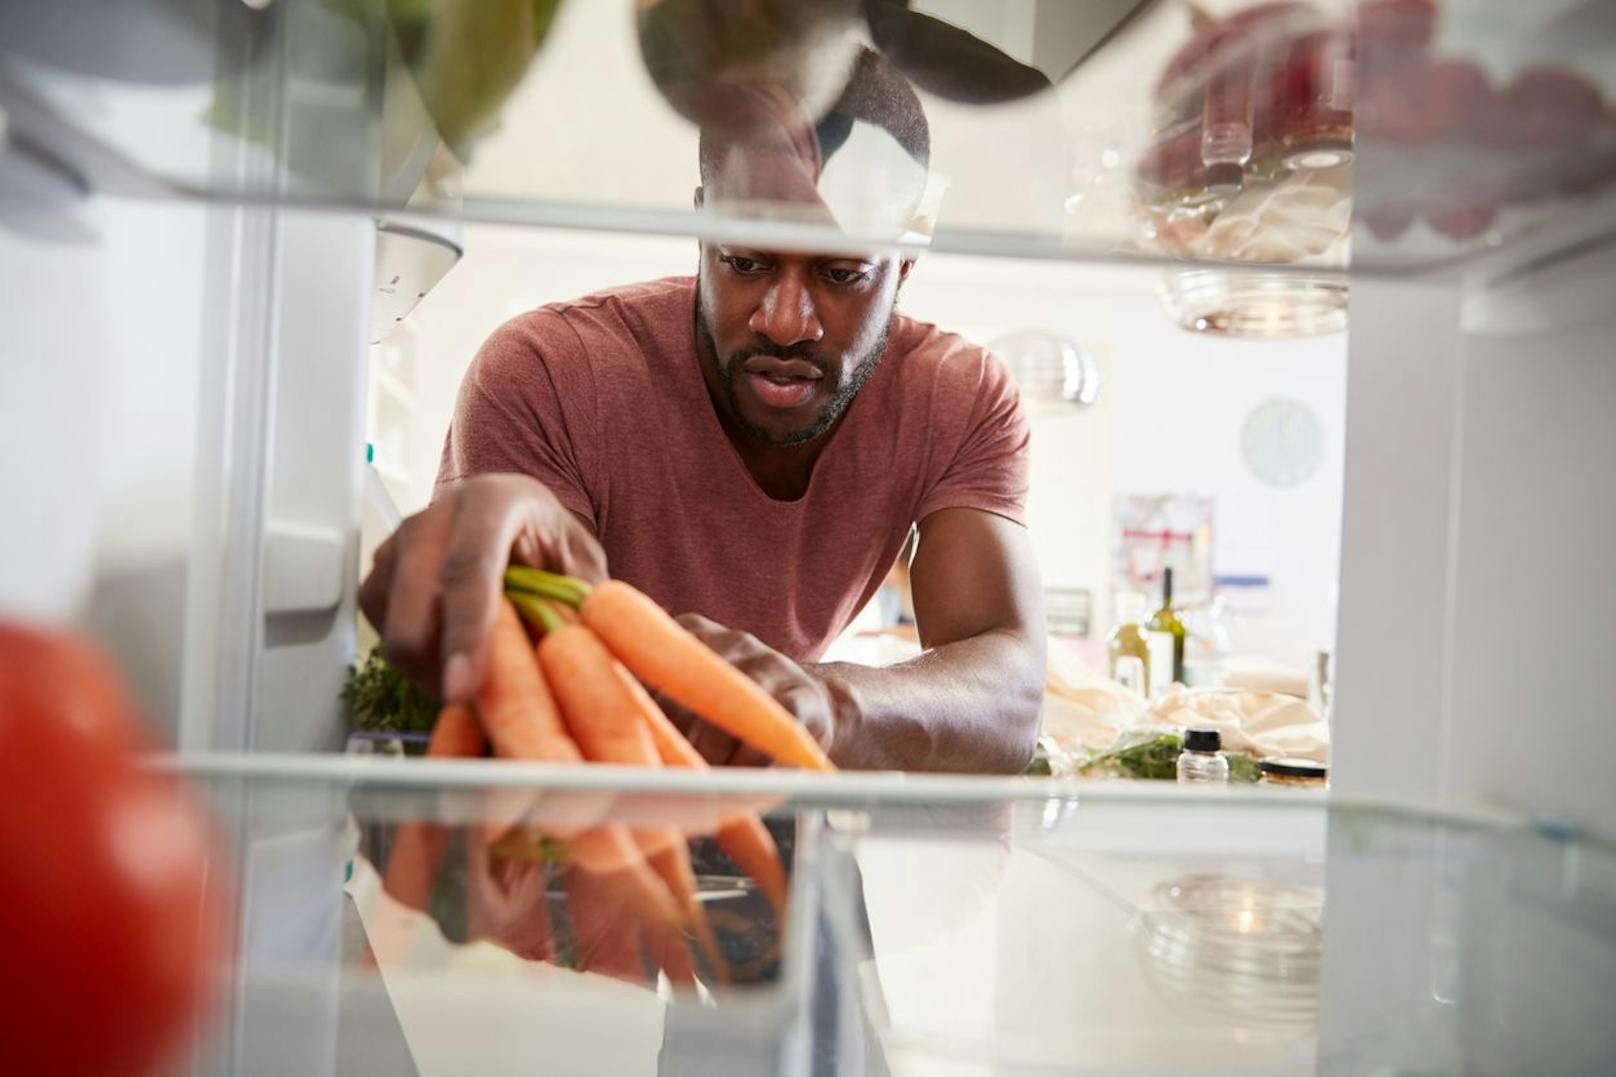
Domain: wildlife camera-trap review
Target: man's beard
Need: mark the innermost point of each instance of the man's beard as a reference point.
(864, 366)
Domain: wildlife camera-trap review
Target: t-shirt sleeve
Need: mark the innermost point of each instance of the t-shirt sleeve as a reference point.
(981, 435)
(527, 404)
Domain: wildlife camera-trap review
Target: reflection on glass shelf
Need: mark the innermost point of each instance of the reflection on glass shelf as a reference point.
(1000, 923)
(1221, 132)
(1248, 303)
(1244, 948)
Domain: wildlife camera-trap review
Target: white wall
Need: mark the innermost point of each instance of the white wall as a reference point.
(1171, 412)
(1181, 401)
(1169, 418)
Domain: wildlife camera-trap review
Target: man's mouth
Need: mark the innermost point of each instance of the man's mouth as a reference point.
(781, 383)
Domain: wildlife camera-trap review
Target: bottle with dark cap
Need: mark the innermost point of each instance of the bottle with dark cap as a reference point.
(1202, 758)
(1166, 633)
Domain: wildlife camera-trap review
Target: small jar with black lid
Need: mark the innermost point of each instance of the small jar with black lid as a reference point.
(1202, 760)
(1294, 773)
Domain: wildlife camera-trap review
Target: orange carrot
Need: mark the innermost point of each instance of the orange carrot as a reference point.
(672, 863)
(743, 837)
(522, 719)
(610, 850)
(668, 951)
(604, 720)
(599, 715)
(412, 863)
(518, 712)
(605, 933)
(660, 652)
(516, 706)
(457, 734)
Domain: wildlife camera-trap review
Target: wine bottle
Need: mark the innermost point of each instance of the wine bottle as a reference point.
(1129, 653)
(1165, 623)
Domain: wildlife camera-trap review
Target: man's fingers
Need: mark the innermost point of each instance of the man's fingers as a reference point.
(472, 580)
(411, 623)
(582, 555)
(748, 756)
(732, 644)
(714, 745)
(373, 591)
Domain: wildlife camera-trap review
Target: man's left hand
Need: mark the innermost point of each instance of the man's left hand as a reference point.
(796, 689)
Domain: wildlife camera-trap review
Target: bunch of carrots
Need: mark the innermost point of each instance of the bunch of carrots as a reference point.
(580, 695)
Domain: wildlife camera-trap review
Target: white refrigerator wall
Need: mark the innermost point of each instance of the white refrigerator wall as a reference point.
(1169, 418)
(1475, 628)
(1532, 701)
(103, 302)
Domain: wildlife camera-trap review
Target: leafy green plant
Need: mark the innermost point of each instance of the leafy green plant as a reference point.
(1137, 753)
(380, 699)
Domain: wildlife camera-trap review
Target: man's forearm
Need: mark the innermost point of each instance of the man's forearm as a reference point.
(971, 705)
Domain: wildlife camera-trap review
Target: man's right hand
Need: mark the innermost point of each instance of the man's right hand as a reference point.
(436, 581)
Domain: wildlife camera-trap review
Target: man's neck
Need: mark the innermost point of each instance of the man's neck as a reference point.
(781, 471)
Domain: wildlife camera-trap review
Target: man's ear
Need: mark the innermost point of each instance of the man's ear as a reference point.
(904, 266)
(701, 248)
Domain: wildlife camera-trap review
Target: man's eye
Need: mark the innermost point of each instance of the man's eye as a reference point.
(739, 264)
(845, 276)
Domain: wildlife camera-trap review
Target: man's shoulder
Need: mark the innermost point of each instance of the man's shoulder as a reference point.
(963, 389)
(637, 316)
(925, 353)
(639, 309)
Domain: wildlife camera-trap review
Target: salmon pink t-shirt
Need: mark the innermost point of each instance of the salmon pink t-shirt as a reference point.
(603, 401)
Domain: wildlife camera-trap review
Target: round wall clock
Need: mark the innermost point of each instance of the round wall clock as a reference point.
(1283, 442)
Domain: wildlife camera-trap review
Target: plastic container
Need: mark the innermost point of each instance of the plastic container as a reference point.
(1201, 761)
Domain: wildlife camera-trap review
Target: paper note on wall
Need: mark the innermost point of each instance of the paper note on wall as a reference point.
(1243, 550)
(1155, 531)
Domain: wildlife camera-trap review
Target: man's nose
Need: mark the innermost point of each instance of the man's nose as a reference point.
(786, 315)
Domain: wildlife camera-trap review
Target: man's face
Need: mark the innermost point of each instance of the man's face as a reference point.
(792, 337)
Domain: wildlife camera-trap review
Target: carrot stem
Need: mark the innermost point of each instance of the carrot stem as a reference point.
(535, 611)
(536, 581)
(568, 614)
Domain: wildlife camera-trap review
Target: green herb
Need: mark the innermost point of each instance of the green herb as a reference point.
(1242, 768)
(380, 699)
(538, 848)
(1153, 755)
(1138, 753)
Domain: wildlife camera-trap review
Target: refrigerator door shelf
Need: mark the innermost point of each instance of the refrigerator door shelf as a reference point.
(303, 568)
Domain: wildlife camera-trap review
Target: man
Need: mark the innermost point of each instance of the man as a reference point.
(751, 448)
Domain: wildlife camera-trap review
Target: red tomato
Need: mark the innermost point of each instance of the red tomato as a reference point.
(109, 899)
(1546, 109)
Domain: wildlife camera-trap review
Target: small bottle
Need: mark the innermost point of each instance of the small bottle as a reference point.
(1129, 652)
(1201, 760)
(1165, 632)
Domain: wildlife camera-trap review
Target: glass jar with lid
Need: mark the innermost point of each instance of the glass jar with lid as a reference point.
(1294, 773)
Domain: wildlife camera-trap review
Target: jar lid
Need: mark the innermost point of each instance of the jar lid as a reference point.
(1294, 768)
(1202, 740)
